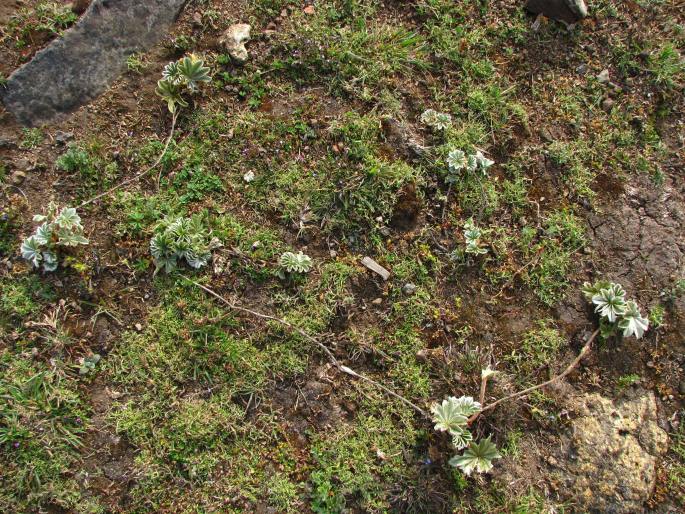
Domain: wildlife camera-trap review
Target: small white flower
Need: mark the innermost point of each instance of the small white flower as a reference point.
(487, 372)
(248, 177)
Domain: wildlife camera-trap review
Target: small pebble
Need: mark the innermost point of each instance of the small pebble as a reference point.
(17, 178)
(603, 76)
(63, 138)
(409, 288)
(607, 104)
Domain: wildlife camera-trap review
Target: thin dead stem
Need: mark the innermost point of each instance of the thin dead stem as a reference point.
(142, 173)
(583, 352)
(313, 340)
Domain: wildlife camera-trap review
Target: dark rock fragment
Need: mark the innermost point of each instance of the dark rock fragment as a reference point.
(568, 11)
(401, 138)
(80, 6)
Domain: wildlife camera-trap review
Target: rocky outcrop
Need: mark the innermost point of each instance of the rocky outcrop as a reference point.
(613, 452)
(79, 66)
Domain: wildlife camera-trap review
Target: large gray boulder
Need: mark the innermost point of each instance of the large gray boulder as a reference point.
(78, 67)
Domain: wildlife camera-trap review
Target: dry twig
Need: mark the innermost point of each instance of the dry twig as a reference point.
(308, 337)
(142, 173)
(583, 352)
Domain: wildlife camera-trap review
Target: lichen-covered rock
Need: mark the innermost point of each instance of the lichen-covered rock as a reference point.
(234, 40)
(613, 452)
(78, 67)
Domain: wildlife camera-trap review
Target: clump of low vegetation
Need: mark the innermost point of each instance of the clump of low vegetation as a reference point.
(436, 120)
(616, 313)
(180, 238)
(181, 78)
(294, 263)
(452, 416)
(459, 161)
(279, 373)
(472, 238)
(60, 228)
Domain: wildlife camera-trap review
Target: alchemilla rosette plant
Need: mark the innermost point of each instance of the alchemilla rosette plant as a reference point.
(459, 162)
(616, 313)
(472, 236)
(58, 228)
(291, 263)
(436, 120)
(182, 77)
(177, 239)
(452, 416)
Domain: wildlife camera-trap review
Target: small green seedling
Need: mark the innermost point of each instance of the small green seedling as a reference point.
(57, 229)
(88, 363)
(472, 237)
(182, 77)
(452, 416)
(459, 162)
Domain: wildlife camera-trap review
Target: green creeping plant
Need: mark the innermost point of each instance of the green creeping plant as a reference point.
(452, 416)
(59, 228)
(436, 120)
(182, 76)
(294, 263)
(179, 238)
(614, 310)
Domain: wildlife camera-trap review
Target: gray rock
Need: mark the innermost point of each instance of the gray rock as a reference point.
(402, 138)
(80, 6)
(17, 177)
(78, 67)
(409, 288)
(24, 165)
(62, 138)
(603, 76)
(567, 11)
(607, 104)
(614, 450)
(234, 40)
